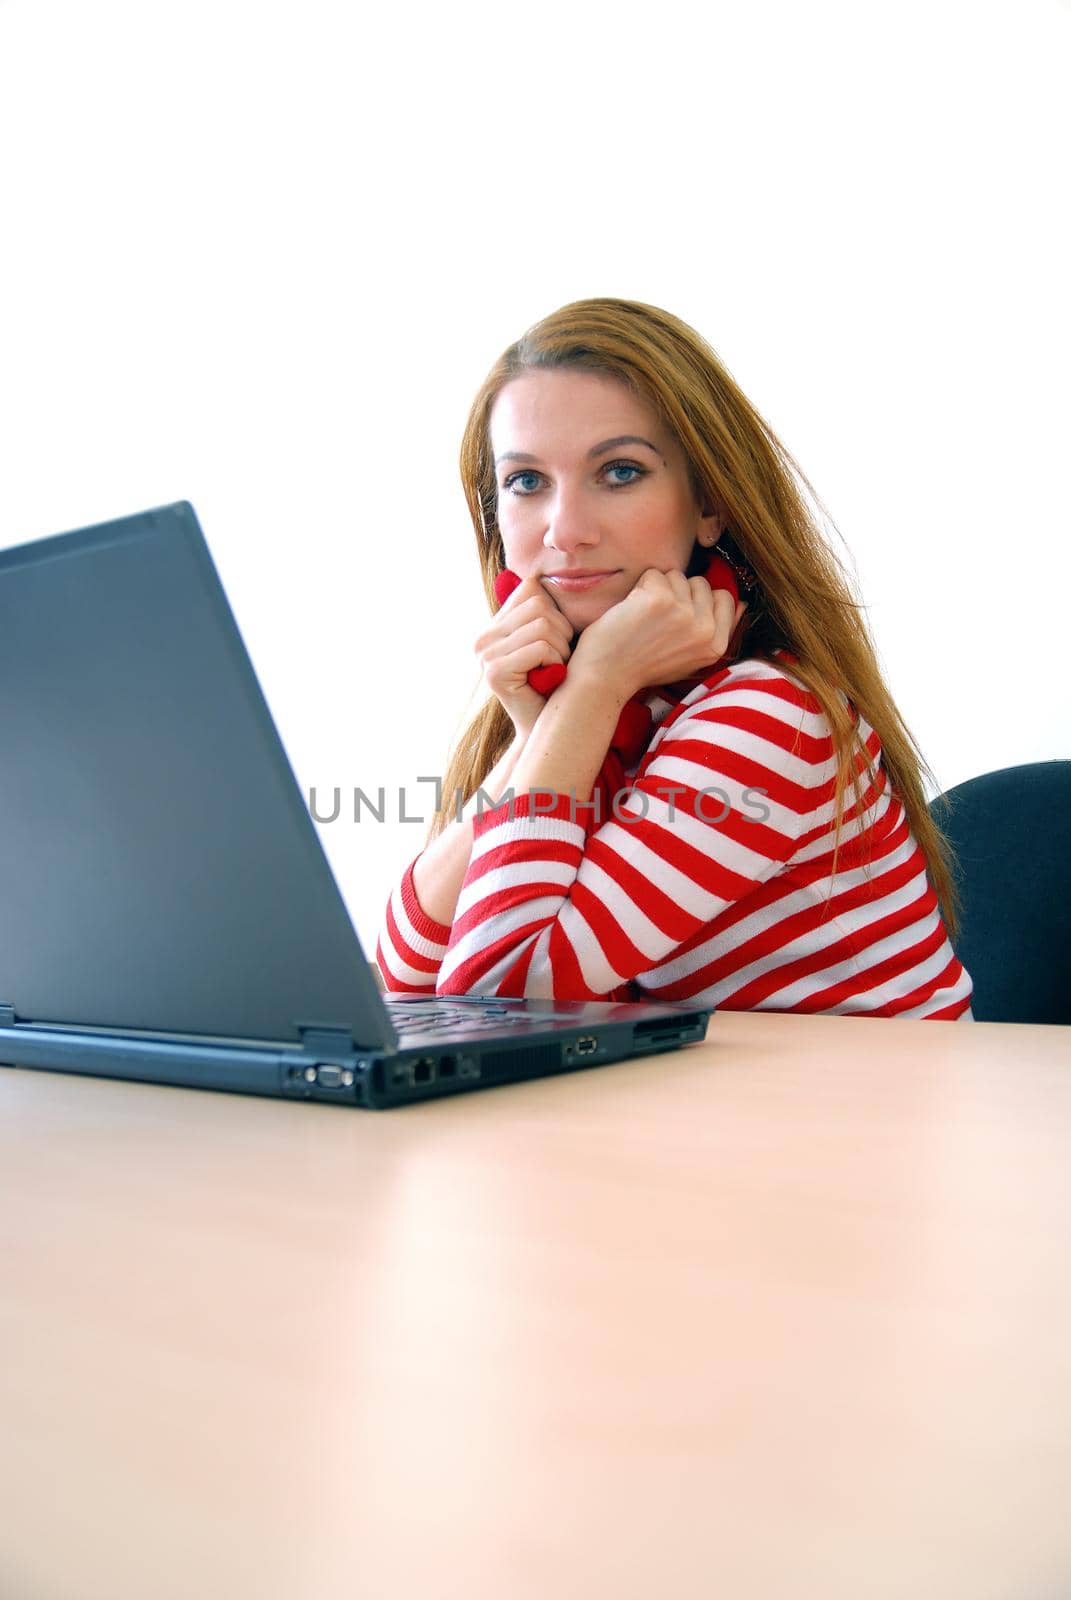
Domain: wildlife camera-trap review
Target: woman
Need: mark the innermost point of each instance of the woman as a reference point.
(719, 801)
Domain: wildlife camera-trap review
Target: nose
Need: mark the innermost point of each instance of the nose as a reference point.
(570, 525)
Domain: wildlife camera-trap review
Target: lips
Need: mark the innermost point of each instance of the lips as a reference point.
(577, 580)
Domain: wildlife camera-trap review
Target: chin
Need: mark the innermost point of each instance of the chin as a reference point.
(582, 611)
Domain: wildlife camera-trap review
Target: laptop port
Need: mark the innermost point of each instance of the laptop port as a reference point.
(424, 1070)
(329, 1077)
(662, 1025)
(586, 1045)
(448, 1067)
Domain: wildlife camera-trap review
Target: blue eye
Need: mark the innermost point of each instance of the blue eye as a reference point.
(625, 466)
(512, 480)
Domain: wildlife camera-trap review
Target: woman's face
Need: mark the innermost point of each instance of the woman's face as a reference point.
(592, 489)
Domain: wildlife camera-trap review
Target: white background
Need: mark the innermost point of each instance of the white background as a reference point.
(260, 257)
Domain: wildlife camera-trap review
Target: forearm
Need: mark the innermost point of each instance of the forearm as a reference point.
(440, 871)
(540, 857)
(567, 746)
(562, 754)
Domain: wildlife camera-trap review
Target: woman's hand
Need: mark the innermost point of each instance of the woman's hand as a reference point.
(667, 627)
(529, 631)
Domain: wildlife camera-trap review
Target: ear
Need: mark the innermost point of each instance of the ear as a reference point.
(713, 523)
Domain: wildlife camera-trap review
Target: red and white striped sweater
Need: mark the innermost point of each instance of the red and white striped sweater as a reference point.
(725, 896)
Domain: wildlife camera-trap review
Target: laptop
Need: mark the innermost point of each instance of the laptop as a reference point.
(167, 911)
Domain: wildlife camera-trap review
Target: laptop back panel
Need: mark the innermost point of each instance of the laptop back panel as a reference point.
(132, 723)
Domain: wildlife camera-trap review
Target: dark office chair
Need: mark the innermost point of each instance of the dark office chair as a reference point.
(1011, 831)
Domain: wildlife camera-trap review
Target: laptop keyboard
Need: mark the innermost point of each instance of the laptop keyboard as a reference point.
(446, 1018)
(443, 1016)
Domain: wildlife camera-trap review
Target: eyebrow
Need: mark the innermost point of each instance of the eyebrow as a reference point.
(596, 450)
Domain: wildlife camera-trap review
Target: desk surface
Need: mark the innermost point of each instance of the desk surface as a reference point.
(784, 1314)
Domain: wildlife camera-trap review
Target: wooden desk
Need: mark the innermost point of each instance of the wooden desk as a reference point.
(787, 1314)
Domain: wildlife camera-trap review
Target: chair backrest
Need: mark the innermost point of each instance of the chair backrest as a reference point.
(1011, 832)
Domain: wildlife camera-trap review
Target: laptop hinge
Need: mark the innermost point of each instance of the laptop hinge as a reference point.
(7, 1016)
(316, 1041)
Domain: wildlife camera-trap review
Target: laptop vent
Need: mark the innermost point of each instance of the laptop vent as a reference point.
(504, 1066)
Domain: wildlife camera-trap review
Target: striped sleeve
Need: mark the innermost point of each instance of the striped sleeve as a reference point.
(411, 945)
(731, 788)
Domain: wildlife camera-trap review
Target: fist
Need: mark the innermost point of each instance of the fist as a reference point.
(668, 627)
(529, 631)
